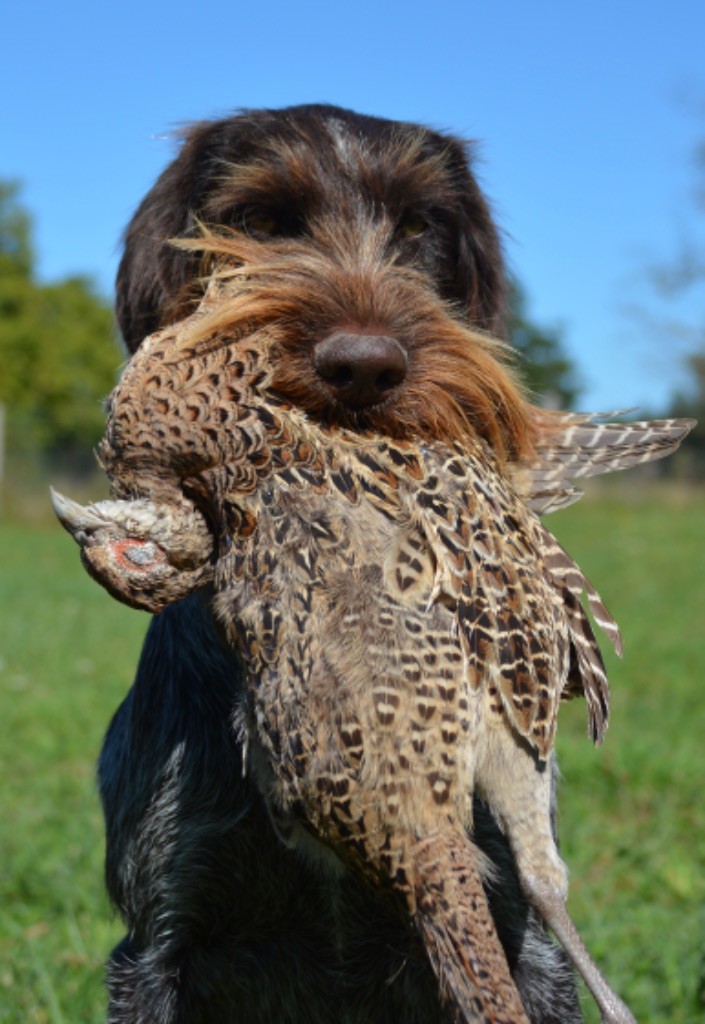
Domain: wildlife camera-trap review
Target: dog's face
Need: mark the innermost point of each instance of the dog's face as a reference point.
(374, 251)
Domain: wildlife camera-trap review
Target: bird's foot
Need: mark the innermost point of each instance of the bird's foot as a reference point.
(551, 905)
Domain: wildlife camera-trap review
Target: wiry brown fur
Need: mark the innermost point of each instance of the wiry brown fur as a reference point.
(226, 923)
(318, 170)
(459, 382)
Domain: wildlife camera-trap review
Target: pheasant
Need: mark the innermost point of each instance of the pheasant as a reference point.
(406, 623)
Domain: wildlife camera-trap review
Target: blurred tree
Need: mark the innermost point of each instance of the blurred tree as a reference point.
(58, 356)
(547, 369)
(685, 273)
(690, 402)
(16, 256)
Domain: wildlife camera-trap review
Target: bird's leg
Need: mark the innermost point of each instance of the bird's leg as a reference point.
(612, 1009)
(518, 789)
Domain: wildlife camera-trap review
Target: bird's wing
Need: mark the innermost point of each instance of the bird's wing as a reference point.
(525, 633)
(587, 675)
(571, 446)
(512, 627)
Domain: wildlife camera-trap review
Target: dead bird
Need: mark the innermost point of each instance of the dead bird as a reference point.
(406, 623)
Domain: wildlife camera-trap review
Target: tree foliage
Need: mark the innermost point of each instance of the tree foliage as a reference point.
(689, 402)
(58, 356)
(547, 369)
(685, 273)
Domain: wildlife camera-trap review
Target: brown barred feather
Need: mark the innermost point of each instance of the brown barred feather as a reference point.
(407, 624)
(571, 446)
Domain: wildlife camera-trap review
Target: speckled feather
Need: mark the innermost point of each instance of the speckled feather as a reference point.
(446, 524)
(579, 445)
(407, 623)
(386, 598)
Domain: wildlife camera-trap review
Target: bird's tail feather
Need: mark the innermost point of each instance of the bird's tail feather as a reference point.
(453, 918)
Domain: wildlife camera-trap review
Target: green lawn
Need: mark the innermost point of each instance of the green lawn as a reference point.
(66, 655)
(632, 814)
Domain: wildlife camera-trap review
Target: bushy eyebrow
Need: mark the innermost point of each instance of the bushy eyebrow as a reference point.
(399, 176)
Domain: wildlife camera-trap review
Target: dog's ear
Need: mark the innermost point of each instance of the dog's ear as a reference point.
(153, 274)
(151, 271)
(478, 278)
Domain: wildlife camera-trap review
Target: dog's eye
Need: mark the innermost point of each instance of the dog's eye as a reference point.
(262, 223)
(412, 225)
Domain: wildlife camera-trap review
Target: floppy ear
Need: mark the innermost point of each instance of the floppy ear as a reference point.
(153, 274)
(478, 278)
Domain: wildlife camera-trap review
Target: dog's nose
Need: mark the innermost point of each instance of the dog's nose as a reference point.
(360, 369)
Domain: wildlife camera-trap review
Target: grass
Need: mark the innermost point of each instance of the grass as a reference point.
(632, 813)
(66, 656)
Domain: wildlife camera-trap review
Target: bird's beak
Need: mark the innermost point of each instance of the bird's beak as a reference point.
(81, 521)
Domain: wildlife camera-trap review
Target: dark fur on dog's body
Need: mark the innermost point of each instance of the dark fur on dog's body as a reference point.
(226, 923)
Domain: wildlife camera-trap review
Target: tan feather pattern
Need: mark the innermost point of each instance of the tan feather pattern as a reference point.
(485, 545)
(572, 446)
(408, 625)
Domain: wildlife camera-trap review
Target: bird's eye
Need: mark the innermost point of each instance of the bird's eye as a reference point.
(412, 225)
(261, 223)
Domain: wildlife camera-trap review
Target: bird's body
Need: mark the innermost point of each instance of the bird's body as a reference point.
(407, 625)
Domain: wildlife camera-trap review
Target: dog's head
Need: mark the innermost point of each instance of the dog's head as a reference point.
(373, 247)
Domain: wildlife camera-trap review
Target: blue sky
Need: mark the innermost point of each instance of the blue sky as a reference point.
(588, 115)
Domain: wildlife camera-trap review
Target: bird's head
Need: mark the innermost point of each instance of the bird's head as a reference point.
(145, 554)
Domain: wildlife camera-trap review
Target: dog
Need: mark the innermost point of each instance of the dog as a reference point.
(226, 922)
